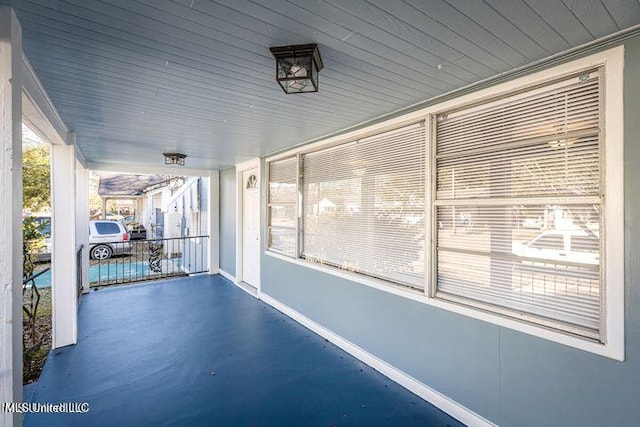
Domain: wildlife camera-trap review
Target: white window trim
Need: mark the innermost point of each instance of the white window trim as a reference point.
(613, 329)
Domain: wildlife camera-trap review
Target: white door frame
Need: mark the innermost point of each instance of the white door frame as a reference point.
(240, 168)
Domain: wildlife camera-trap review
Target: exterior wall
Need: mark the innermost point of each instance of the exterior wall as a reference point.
(146, 212)
(228, 221)
(185, 217)
(172, 216)
(505, 376)
(196, 250)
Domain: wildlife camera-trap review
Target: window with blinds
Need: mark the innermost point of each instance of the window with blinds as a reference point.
(518, 203)
(363, 206)
(283, 206)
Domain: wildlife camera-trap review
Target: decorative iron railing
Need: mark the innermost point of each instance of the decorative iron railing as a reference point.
(141, 260)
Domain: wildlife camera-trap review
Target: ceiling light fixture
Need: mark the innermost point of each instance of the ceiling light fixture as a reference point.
(174, 158)
(297, 67)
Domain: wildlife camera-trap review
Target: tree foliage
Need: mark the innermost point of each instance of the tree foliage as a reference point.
(33, 241)
(36, 177)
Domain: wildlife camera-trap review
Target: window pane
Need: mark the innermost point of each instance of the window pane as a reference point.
(492, 258)
(283, 215)
(283, 207)
(364, 206)
(283, 240)
(283, 192)
(499, 242)
(546, 114)
(539, 168)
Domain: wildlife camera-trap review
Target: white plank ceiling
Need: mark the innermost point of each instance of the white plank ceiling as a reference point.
(134, 78)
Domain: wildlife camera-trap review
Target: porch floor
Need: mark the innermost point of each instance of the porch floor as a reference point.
(199, 351)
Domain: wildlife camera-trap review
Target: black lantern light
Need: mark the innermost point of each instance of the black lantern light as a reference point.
(174, 158)
(297, 67)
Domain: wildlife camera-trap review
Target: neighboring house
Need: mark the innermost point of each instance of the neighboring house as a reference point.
(168, 207)
(181, 206)
(128, 190)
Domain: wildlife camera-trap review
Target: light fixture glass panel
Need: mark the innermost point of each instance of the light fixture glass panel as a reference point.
(298, 85)
(297, 68)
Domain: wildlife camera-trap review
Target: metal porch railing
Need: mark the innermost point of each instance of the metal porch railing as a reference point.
(142, 260)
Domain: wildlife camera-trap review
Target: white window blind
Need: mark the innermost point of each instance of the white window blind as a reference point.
(363, 206)
(518, 205)
(283, 205)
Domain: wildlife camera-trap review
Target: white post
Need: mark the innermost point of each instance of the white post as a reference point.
(214, 222)
(63, 235)
(82, 220)
(10, 214)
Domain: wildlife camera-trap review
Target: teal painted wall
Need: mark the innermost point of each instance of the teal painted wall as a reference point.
(228, 221)
(510, 378)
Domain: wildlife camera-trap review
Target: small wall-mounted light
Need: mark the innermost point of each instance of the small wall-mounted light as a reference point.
(297, 67)
(174, 158)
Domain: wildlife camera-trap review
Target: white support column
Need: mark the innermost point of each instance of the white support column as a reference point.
(82, 220)
(10, 213)
(63, 235)
(214, 222)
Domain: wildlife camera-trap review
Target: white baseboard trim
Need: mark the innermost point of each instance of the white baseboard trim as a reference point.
(432, 396)
(227, 276)
(245, 287)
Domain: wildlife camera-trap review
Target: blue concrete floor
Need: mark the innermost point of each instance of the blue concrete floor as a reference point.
(201, 352)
